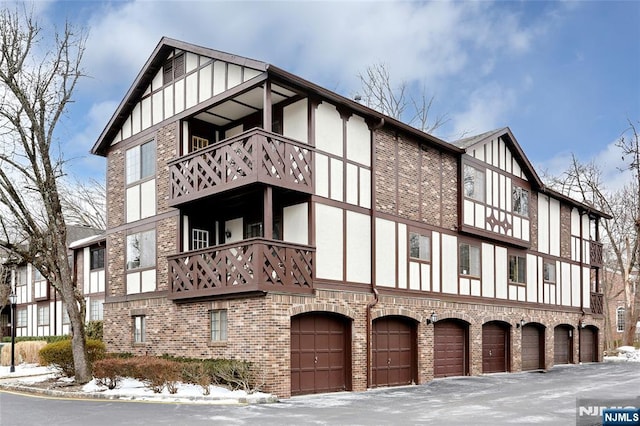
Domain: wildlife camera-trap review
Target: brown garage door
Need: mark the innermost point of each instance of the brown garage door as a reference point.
(319, 355)
(394, 353)
(562, 344)
(588, 344)
(449, 349)
(532, 347)
(495, 347)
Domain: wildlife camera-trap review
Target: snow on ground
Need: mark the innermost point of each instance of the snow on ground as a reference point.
(129, 388)
(624, 354)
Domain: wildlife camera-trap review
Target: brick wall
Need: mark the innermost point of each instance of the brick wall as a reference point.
(415, 182)
(259, 329)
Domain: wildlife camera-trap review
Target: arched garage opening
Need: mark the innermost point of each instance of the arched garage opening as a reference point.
(532, 346)
(450, 348)
(563, 344)
(394, 351)
(589, 344)
(320, 353)
(496, 354)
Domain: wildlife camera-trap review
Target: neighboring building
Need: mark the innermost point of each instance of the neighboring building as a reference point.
(615, 309)
(255, 215)
(39, 307)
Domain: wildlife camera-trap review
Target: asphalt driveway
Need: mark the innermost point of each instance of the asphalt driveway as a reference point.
(519, 398)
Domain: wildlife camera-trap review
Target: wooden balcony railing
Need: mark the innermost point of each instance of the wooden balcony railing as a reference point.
(251, 265)
(253, 156)
(597, 303)
(596, 254)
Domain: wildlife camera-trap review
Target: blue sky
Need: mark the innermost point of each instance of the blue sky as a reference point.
(564, 76)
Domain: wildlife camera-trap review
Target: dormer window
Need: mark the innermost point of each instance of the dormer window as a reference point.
(520, 201)
(473, 183)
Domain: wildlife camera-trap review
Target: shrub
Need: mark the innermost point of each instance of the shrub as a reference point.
(59, 354)
(25, 352)
(93, 330)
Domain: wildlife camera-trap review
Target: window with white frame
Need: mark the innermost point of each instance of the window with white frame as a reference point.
(549, 272)
(96, 310)
(473, 182)
(141, 262)
(517, 269)
(469, 259)
(140, 179)
(620, 314)
(40, 285)
(141, 250)
(21, 320)
(419, 246)
(199, 239)
(21, 284)
(218, 325)
(520, 200)
(43, 315)
(139, 326)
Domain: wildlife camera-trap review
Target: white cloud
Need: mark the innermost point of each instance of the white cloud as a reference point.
(485, 110)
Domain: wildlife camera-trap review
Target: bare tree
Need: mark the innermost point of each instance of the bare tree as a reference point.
(84, 203)
(380, 93)
(623, 230)
(38, 75)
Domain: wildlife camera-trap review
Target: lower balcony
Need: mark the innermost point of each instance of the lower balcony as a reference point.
(254, 265)
(597, 303)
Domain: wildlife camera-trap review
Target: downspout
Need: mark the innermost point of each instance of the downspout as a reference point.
(374, 289)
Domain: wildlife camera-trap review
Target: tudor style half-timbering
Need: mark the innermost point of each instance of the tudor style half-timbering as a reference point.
(255, 215)
(39, 307)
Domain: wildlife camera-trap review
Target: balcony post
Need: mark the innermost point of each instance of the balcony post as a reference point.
(267, 209)
(266, 112)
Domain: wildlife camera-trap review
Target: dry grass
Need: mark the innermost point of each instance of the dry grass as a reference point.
(27, 352)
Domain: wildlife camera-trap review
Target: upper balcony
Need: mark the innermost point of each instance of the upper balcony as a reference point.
(253, 265)
(253, 156)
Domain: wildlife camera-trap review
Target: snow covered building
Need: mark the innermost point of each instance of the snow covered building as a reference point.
(255, 215)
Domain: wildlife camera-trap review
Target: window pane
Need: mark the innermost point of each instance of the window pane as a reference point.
(218, 325)
(133, 251)
(97, 258)
(414, 245)
(464, 259)
(473, 183)
(133, 164)
(141, 250)
(148, 249)
(138, 329)
(474, 261)
(520, 198)
(148, 161)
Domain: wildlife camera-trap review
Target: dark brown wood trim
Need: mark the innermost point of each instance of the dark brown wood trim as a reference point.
(493, 237)
(143, 223)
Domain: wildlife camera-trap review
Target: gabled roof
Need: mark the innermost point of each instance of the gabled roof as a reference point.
(166, 45)
(511, 142)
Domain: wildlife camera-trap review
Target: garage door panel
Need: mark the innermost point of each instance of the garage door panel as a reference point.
(562, 345)
(495, 348)
(394, 353)
(532, 346)
(450, 347)
(318, 353)
(588, 342)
